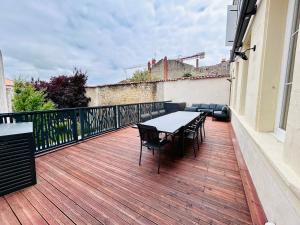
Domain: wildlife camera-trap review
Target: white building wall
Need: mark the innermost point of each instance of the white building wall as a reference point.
(206, 90)
(272, 162)
(214, 90)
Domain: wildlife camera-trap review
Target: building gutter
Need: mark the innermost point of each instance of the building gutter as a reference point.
(248, 9)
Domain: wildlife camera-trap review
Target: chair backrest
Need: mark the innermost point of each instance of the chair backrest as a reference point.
(204, 115)
(148, 134)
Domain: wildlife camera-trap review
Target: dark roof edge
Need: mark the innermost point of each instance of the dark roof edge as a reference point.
(248, 9)
(157, 81)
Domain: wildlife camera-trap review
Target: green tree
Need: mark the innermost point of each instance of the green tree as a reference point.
(140, 75)
(27, 98)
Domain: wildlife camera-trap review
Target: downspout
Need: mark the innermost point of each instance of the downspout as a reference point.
(3, 100)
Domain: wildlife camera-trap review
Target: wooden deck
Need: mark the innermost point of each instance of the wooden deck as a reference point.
(99, 182)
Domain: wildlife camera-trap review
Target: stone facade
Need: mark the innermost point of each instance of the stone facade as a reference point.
(209, 89)
(176, 69)
(123, 93)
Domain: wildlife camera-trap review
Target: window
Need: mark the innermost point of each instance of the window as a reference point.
(293, 36)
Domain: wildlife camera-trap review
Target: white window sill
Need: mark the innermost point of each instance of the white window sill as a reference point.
(272, 149)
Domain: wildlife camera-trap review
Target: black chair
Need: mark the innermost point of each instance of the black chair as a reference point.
(201, 119)
(149, 137)
(202, 126)
(192, 133)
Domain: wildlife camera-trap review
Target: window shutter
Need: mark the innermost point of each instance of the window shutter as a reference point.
(232, 12)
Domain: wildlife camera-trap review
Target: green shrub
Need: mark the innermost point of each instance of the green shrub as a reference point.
(139, 76)
(27, 98)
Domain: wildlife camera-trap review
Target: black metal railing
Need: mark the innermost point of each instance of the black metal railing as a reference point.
(56, 128)
(97, 120)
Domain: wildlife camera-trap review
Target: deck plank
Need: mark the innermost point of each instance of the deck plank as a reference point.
(99, 181)
(24, 211)
(7, 216)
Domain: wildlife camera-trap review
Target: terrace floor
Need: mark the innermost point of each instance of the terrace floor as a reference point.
(100, 182)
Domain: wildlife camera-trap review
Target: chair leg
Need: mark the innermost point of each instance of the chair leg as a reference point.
(194, 137)
(140, 155)
(194, 148)
(198, 142)
(158, 160)
(182, 148)
(203, 129)
(152, 151)
(201, 134)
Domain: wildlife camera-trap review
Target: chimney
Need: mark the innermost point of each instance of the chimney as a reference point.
(165, 68)
(149, 71)
(197, 63)
(153, 61)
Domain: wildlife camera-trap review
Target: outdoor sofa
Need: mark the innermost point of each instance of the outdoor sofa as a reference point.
(217, 111)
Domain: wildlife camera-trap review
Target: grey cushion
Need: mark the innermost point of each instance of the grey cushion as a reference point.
(220, 114)
(205, 110)
(145, 117)
(212, 106)
(155, 114)
(191, 109)
(225, 109)
(219, 107)
(204, 106)
(162, 112)
(196, 105)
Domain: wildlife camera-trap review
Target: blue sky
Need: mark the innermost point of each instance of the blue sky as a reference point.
(43, 38)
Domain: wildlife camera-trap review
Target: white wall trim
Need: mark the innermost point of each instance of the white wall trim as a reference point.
(280, 133)
(277, 185)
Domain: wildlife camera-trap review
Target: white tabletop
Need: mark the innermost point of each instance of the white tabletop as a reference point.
(172, 122)
(15, 128)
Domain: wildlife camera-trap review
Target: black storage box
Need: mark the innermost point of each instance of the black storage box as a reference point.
(17, 164)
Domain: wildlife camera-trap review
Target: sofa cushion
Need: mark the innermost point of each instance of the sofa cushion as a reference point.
(155, 114)
(145, 117)
(225, 109)
(191, 109)
(219, 107)
(212, 106)
(162, 112)
(204, 106)
(196, 105)
(205, 110)
(220, 114)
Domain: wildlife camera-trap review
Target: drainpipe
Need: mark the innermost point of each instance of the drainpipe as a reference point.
(3, 100)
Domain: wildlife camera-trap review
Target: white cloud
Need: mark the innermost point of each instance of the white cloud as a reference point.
(45, 38)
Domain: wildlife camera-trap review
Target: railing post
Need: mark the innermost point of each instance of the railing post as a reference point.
(74, 125)
(81, 121)
(117, 119)
(139, 112)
